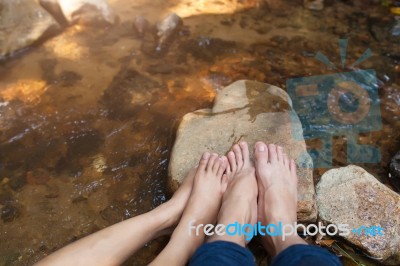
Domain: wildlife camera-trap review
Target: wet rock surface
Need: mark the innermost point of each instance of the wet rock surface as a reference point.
(166, 30)
(395, 170)
(350, 195)
(251, 111)
(22, 23)
(156, 39)
(314, 4)
(87, 11)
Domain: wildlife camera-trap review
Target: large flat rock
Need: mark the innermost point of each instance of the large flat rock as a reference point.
(250, 111)
(350, 195)
(22, 23)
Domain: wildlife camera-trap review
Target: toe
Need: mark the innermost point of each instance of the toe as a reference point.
(272, 153)
(211, 161)
(238, 156)
(279, 152)
(228, 170)
(217, 163)
(222, 167)
(232, 161)
(285, 160)
(224, 182)
(260, 154)
(293, 168)
(245, 152)
(203, 161)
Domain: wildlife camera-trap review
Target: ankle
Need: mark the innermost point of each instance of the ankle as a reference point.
(280, 245)
(168, 213)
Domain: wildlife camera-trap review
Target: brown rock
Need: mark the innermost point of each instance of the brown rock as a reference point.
(251, 111)
(350, 195)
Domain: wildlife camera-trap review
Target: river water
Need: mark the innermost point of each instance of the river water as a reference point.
(88, 117)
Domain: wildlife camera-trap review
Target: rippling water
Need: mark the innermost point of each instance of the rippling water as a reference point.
(88, 117)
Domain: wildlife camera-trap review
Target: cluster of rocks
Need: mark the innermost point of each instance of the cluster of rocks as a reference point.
(25, 22)
(255, 111)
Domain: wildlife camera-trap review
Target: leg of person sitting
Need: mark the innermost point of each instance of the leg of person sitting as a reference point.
(239, 205)
(277, 202)
(114, 244)
(208, 188)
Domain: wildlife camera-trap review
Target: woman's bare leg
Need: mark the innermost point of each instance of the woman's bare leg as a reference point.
(204, 202)
(239, 203)
(114, 244)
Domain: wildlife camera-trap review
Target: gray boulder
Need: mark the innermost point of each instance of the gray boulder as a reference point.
(350, 195)
(251, 111)
(22, 23)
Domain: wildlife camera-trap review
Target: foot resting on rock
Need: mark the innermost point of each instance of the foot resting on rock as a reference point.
(239, 203)
(209, 184)
(277, 193)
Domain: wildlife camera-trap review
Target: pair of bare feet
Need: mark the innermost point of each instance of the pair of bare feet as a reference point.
(229, 189)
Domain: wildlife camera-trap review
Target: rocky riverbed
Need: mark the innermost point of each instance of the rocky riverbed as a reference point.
(89, 108)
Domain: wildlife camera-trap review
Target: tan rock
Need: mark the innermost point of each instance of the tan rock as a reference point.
(22, 23)
(350, 195)
(251, 111)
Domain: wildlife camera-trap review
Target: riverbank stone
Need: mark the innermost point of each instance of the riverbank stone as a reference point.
(250, 111)
(23, 23)
(350, 195)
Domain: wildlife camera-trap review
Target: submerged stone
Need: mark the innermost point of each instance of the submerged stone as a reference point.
(350, 195)
(314, 4)
(395, 170)
(166, 30)
(250, 111)
(140, 25)
(9, 213)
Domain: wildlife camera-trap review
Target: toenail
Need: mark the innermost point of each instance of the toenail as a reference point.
(261, 147)
(206, 155)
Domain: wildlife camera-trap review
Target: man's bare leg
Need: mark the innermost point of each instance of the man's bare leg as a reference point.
(277, 193)
(239, 203)
(209, 185)
(114, 244)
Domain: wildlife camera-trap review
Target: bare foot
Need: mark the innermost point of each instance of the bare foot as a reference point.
(175, 206)
(277, 193)
(202, 208)
(239, 203)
